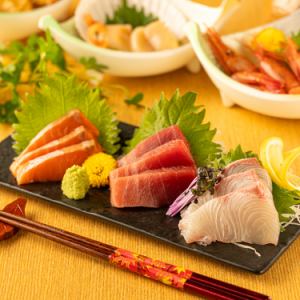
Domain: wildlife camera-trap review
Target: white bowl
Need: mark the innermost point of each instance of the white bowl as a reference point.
(233, 92)
(19, 25)
(119, 63)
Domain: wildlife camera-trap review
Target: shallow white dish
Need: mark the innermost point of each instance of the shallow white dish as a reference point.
(123, 63)
(19, 25)
(233, 92)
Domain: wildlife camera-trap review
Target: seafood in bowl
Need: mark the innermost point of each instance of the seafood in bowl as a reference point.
(19, 21)
(274, 65)
(23, 5)
(261, 98)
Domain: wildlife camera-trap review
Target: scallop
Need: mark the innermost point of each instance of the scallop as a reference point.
(139, 42)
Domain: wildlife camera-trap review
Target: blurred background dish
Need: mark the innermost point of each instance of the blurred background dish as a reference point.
(122, 62)
(16, 24)
(233, 92)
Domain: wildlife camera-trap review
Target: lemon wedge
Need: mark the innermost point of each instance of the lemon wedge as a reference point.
(290, 180)
(271, 156)
(270, 39)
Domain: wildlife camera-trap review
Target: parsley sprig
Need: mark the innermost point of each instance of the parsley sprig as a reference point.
(126, 14)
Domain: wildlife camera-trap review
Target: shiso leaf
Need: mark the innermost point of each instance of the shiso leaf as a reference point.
(55, 97)
(284, 200)
(180, 110)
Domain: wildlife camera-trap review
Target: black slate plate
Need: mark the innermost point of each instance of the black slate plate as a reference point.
(152, 222)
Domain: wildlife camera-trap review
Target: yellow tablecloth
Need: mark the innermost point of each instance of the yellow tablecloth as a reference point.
(34, 268)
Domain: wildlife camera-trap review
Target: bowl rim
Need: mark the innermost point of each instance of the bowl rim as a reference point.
(214, 71)
(7, 15)
(48, 22)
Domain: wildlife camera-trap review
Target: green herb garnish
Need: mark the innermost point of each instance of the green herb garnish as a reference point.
(179, 110)
(127, 14)
(58, 95)
(91, 63)
(296, 38)
(135, 100)
(284, 200)
(224, 158)
(208, 177)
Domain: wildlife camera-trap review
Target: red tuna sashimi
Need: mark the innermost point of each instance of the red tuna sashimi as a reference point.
(153, 188)
(60, 128)
(171, 154)
(161, 137)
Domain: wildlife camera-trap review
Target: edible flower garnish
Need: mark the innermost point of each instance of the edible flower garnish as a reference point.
(98, 167)
(75, 183)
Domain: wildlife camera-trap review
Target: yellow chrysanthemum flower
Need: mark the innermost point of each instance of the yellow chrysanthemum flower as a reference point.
(98, 167)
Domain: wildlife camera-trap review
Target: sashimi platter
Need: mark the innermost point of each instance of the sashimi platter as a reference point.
(168, 177)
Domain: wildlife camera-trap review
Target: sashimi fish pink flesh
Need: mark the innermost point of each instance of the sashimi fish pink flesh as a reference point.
(241, 180)
(241, 165)
(161, 137)
(241, 216)
(76, 136)
(60, 128)
(52, 166)
(172, 154)
(153, 188)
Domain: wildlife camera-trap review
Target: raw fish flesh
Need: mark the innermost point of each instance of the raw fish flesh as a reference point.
(241, 216)
(172, 154)
(154, 188)
(60, 128)
(241, 165)
(161, 137)
(241, 180)
(52, 166)
(76, 136)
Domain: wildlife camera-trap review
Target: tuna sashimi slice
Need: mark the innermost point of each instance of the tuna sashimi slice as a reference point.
(154, 188)
(161, 137)
(241, 165)
(242, 216)
(60, 128)
(52, 166)
(76, 136)
(171, 154)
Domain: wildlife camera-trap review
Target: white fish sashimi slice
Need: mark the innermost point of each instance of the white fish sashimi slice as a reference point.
(241, 165)
(242, 180)
(242, 216)
(196, 204)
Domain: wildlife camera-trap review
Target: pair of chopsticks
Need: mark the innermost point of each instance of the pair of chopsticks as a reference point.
(172, 275)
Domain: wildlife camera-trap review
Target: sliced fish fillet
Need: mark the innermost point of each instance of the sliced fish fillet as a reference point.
(241, 216)
(172, 154)
(52, 166)
(241, 165)
(242, 180)
(60, 128)
(154, 188)
(76, 136)
(161, 137)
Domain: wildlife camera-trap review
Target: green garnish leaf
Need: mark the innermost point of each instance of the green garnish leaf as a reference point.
(58, 95)
(91, 63)
(223, 159)
(284, 200)
(7, 109)
(135, 100)
(296, 38)
(126, 14)
(179, 110)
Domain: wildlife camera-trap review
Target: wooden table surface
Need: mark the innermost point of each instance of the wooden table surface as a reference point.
(34, 268)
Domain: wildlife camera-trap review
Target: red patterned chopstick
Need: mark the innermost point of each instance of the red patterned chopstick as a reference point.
(169, 274)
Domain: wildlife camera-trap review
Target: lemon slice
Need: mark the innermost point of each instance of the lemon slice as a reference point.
(270, 39)
(290, 180)
(271, 156)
